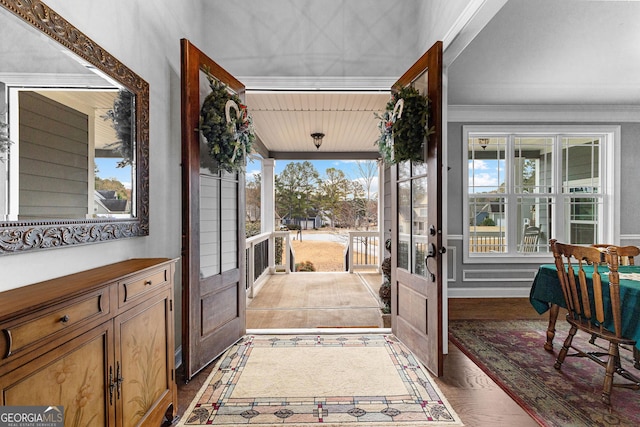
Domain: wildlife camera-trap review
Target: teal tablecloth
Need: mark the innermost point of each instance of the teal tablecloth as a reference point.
(546, 290)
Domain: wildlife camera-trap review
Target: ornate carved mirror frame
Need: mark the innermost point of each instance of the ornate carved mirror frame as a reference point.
(21, 236)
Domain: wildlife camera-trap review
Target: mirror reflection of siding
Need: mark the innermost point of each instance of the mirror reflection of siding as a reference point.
(53, 159)
(3, 158)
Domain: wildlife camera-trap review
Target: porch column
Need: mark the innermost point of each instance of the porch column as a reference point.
(381, 219)
(268, 196)
(268, 206)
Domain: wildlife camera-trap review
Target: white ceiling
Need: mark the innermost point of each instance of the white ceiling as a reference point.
(552, 52)
(571, 52)
(284, 121)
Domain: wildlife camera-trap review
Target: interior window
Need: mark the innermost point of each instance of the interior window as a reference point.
(523, 189)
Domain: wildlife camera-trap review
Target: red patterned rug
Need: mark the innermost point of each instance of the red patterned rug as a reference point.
(329, 380)
(512, 354)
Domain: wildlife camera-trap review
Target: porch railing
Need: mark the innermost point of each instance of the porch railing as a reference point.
(266, 254)
(362, 251)
(271, 253)
(286, 262)
(257, 256)
(485, 243)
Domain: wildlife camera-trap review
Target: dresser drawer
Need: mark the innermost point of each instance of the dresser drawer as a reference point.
(138, 286)
(29, 330)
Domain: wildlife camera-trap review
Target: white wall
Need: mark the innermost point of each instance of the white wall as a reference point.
(145, 36)
(319, 38)
(436, 19)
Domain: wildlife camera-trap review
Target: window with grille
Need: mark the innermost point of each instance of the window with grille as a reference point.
(524, 187)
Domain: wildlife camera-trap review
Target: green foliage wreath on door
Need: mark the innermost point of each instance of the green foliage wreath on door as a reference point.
(227, 128)
(403, 127)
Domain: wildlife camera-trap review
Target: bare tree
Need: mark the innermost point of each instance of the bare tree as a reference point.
(253, 188)
(367, 173)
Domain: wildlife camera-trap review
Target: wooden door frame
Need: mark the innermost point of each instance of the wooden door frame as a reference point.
(194, 61)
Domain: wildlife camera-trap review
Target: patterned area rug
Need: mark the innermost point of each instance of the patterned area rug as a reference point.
(512, 353)
(300, 380)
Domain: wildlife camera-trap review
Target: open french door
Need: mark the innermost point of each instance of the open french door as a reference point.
(213, 261)
(416, 228)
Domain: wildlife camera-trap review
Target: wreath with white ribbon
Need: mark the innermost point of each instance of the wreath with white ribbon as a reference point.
(403, 127)
(227, 128)
(5, 142)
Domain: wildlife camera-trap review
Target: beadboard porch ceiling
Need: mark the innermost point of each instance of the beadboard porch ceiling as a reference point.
(285, 120)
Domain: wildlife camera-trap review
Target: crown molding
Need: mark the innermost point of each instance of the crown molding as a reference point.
(471, 21)
(544, 113)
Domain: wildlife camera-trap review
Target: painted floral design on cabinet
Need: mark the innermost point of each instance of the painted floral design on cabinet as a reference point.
(77, 382)
(144, 362)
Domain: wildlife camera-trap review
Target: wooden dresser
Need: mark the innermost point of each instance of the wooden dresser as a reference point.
(99, 342)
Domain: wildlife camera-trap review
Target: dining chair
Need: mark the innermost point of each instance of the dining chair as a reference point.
(626, 255)
(589, 309)
(530, 238)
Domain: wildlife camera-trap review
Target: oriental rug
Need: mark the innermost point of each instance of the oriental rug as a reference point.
(512, 354)
(331, 380)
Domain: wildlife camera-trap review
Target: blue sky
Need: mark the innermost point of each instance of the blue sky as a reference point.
(349, 167)
(485, 175)
(107, 169)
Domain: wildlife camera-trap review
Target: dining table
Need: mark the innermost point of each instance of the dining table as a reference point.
(546, 295)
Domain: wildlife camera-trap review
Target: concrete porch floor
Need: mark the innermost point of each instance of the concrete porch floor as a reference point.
(316, 300)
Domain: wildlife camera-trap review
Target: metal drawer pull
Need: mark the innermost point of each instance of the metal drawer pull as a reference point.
(65, 318)
(148, 283)
(119, 379)
(111, 385)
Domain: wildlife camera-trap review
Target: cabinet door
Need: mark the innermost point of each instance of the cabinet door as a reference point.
(145, 361)
(74, 375)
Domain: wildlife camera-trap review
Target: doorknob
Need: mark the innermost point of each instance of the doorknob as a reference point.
(431, 253)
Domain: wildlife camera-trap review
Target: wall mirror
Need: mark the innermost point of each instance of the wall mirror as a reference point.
(74, 136)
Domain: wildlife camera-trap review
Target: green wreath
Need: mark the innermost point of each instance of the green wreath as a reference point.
(228, 138)
(403, 127)
(5, 142)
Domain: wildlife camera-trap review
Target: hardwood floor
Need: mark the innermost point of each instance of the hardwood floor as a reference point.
(478, 400)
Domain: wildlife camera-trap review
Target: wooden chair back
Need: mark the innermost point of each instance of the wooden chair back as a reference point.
(584, 298)
(626, 254)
